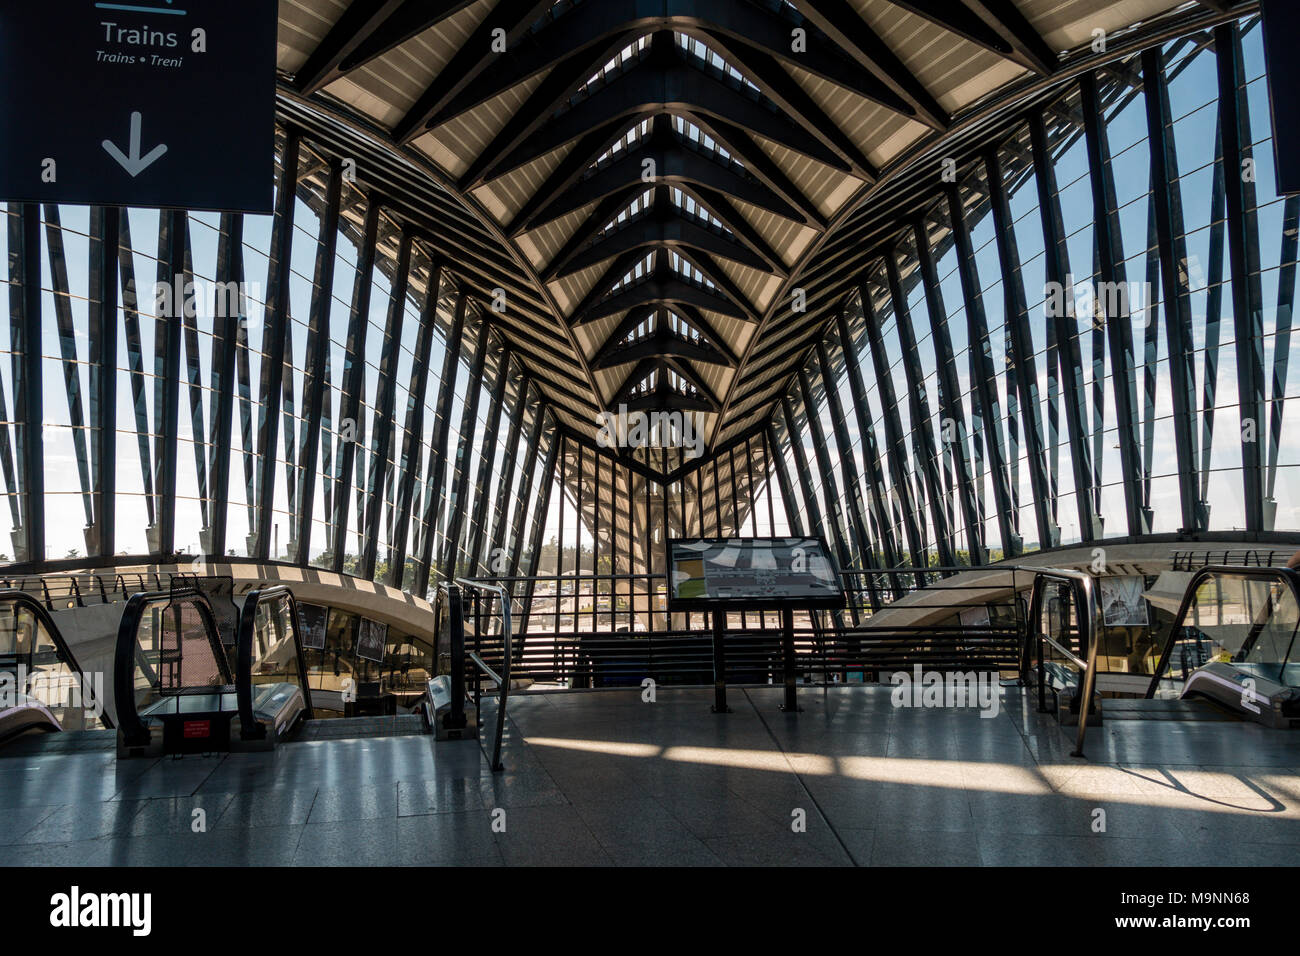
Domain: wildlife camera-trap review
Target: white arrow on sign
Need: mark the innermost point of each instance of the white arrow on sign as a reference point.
(134, 163)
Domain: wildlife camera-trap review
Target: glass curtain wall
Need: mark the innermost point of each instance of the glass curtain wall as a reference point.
(314, 387)
(1086, 337)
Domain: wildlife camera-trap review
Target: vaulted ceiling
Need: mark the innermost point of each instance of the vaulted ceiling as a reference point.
(660, 179)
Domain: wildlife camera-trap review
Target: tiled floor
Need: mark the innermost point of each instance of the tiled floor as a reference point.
(603, 778)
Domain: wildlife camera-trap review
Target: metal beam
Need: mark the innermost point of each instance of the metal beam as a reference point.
(172, 228)
(474, 56)
(104, 226)
(1172, 249)
(849, 468)
(1004, 18)
(896, 446)
(840, 21)
(464, 445)
(792, 518)
(509, 533)
(408, 466)
(802, 475)
(923, 446)
(876, 486)
(29, 401)
(314, 375)
(675, 162)
(539, 526)
(950, 397)
(1247, 288)
(559, 88)
(1022, 348)
(1119, 331)
(1060, 312)
(433, 489)
(981, 353)
(358, 22)
(354, 370)
(277, 318)
(385, 400)
(505, 486)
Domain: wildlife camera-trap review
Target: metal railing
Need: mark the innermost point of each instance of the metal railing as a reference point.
(1084, 603)
(578, 636)
(59, 592)
(482, 667)
(1232, 557)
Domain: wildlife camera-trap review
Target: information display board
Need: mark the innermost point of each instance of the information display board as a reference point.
(752, 574)
(370, 640)
(314, 618)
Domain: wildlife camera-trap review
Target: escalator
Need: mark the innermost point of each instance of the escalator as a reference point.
(183, 686)
(272, 687)
(1233, 646)
(42, 688)
(185, 679)
(1231, 654)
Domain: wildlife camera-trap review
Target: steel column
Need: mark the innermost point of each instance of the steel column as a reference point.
(413, 430)
(385, 400)
(464, 445)
(982, 359)
(1119, 331)
(1167, 198)
(487, 464)
(1057, 261)
(167, 378)
(433, 490)
(876, 486)
(318, 341)
(29, 405)
(896, 447)
(104, 225)
(277, 318)
(1022, 348)
(923, 446)
(1243, 250)
(354, 371)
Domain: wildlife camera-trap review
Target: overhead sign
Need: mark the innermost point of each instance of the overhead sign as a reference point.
(1281, 23)
(751, 573)
(167, 103)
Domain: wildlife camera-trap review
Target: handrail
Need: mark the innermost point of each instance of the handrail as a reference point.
(15, 596)
(447, 600)
(1088, 631)
(133, 729)
(249, 727)
(502, 680)
(1286, 576)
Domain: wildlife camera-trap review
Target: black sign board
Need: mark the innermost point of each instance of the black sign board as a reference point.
(167, 103)
(1281, 28)
(370, 640)
(751, 573)
(314, 618)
